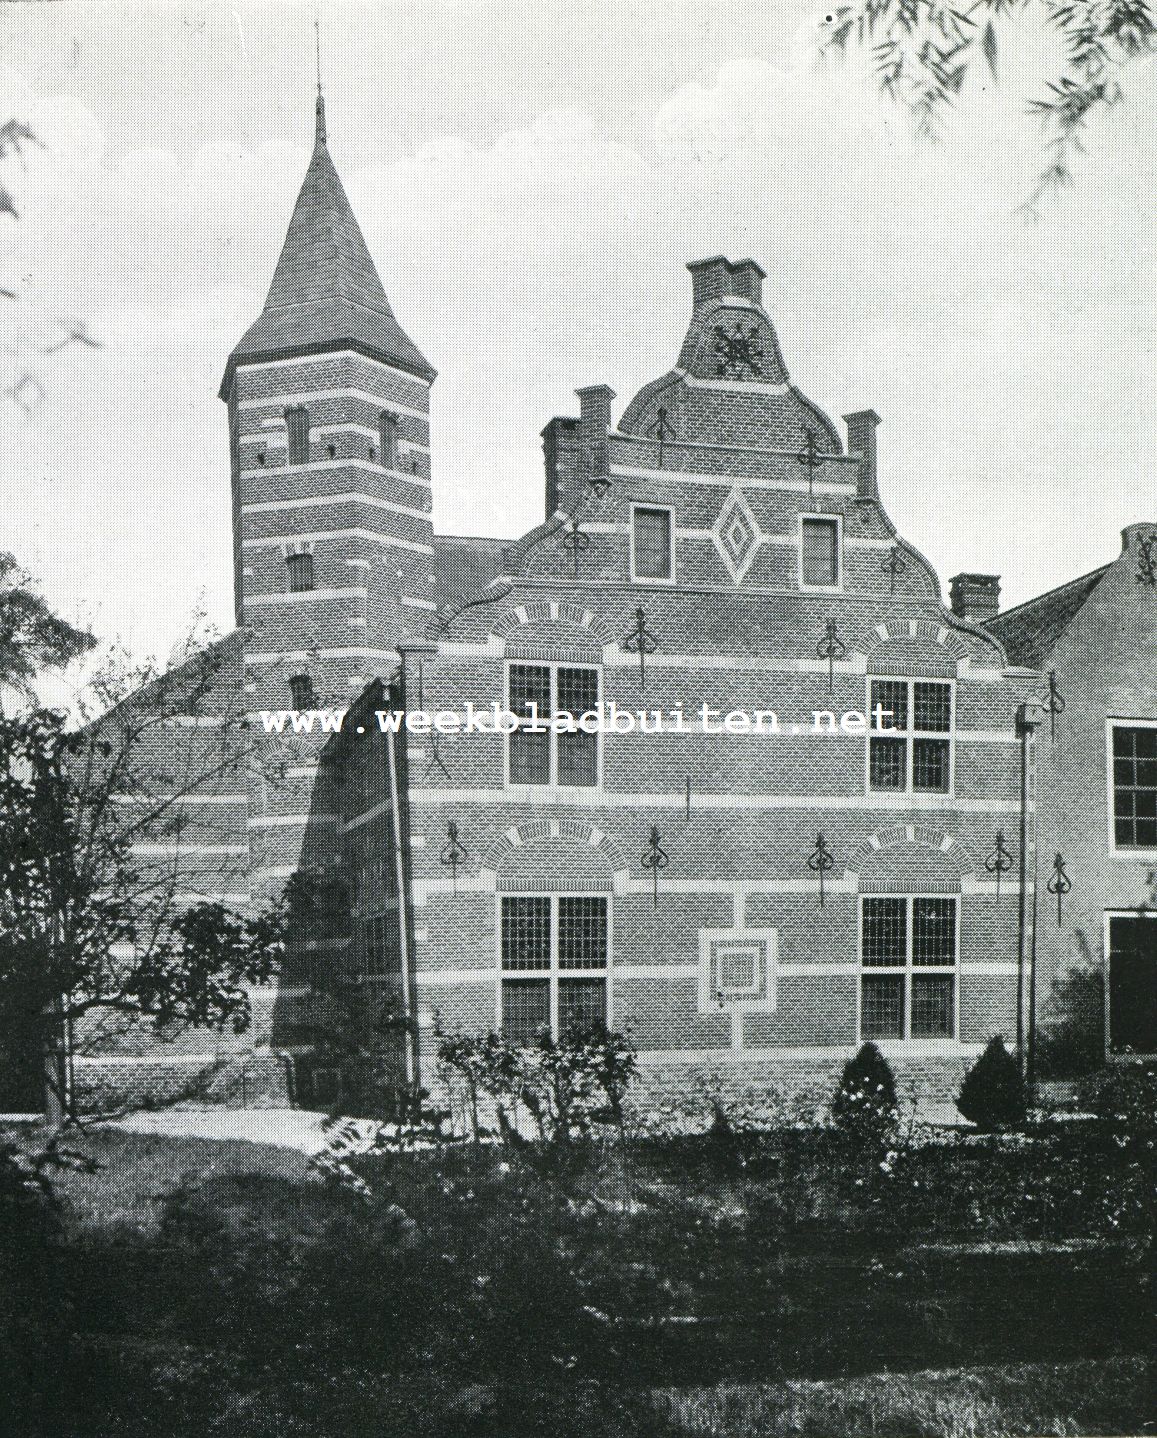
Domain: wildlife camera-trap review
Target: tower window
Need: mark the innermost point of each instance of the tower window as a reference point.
(297, 435)
(388, 427)
(651, 543)
(299, 568)
(301, 692)
(819, 552)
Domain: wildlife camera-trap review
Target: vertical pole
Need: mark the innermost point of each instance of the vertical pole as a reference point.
(1030, 1068)
(1022, 910)
(403, 914)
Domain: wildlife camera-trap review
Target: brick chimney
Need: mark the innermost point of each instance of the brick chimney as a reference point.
(861, 425)
(975, 596)
(594, 425)
(717, 278)
(560, 449)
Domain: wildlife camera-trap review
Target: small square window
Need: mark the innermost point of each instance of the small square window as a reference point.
(652, 543)
(301, 694)
(882, 1007)
(885, 939)
(930, 766)
(299, 570)
(525, 1009)
(820, 553)
(526, 933)
(582, 1004)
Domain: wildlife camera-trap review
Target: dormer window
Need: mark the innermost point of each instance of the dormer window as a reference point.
(297, 435)
(301, 692)
(299, 570)
(819, 552)
(388, 428)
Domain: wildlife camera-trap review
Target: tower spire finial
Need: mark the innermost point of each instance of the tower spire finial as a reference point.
(320, 107)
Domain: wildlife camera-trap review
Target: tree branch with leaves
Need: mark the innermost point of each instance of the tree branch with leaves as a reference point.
(924, 50)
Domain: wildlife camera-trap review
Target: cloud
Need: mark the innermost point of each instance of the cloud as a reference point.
(1011, 362)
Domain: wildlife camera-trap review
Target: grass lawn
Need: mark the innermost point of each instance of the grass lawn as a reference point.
(761, 1284)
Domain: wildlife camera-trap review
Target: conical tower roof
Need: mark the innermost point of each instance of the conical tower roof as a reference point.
(326, 293)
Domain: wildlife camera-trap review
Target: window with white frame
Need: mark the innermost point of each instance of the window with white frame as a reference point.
(554, 951)
(908, 949)
(536, 753)
(910, 744)
(1134, 785)
(652, 555)
(819, 552)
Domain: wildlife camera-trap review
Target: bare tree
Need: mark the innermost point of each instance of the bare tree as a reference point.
(117, 896)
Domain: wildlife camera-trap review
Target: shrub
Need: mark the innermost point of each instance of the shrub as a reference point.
(566, 1085)
(992, 1094)
(864, 1105)
(1124, 1095)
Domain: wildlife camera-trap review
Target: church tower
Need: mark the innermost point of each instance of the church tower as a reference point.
(329, 404)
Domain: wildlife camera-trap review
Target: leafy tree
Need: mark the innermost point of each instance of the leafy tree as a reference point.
(924, 50)
(21, 382)
(32, 637)
(99, 854)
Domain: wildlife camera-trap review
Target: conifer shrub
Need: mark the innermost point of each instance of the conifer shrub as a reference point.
(864, 1106)
(992, 1095)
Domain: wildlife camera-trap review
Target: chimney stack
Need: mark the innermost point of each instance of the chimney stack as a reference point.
(975, 596)
(861, 425)
(718, 278)
(594, 426)
(560, 448)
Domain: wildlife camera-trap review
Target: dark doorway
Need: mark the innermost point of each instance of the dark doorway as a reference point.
(21, 1073)
(1133, 983)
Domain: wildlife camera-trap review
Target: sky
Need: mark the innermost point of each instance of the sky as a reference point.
(531, 179)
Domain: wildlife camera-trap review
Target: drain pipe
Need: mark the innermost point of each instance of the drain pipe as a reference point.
(403, 911)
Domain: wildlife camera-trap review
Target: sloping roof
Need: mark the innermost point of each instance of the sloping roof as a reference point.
(1031, 631)
(326, 292)
(464, 565)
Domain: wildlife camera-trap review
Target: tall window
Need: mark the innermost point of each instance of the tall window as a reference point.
(1135, 786)
(555, 950)
(908, 967)
(388, 433)
(1132, 952)
(301, 692)
(910, 751)
(536, 693)
(299, 569)
(381, 951)
(297, 435)
(652, 556)
(819, 553)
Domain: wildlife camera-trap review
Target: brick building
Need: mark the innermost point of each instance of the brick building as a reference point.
(748, 897)
(1096, 637)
